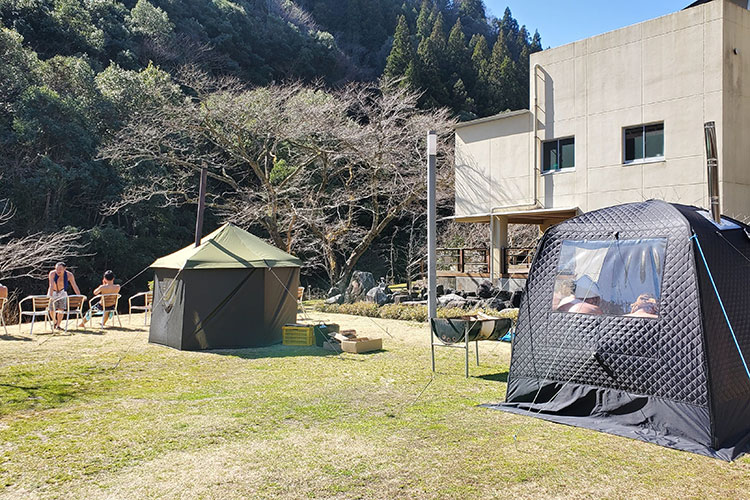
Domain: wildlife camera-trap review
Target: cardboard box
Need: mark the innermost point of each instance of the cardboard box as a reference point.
(363, 345)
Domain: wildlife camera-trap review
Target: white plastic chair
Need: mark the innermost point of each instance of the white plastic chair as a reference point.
(148, 298)
(107, 303)
(39, 307)
(73, 308)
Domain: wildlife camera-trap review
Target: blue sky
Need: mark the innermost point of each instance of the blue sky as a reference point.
(561, 22)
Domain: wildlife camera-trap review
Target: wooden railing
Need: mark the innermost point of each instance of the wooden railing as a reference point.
(518, 259)
(463, 260)
(477, 260)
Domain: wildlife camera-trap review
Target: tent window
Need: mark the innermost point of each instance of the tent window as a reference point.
(613, 277)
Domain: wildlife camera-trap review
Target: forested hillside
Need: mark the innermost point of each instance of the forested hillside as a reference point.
(73, 73)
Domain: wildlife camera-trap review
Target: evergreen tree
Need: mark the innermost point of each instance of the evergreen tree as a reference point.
(402, 52)
(474, 16)
(437, 36)
(508, 29)
(536, 43)
(457, 53)
(431, 54)
(502, 79)
(480, 64)
(423, 21)
(473, 9)
(458, 58)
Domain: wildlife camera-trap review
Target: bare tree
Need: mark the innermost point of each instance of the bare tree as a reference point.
(27, 256)
(324, 173)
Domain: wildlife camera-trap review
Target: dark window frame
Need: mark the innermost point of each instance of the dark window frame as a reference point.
(643, 158)
(558, 150)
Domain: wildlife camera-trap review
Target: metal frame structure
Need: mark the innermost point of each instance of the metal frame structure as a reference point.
(461, 345)
(105, 308)
(77, 311)
(148, 300)
(39, 307)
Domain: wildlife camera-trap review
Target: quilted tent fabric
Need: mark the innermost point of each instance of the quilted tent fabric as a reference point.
(676, 380)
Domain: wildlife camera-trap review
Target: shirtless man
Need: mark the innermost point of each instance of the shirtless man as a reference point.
(107, 287)
(59, 280)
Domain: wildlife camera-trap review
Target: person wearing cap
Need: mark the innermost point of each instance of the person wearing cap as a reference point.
(59, 281)
(586, 298)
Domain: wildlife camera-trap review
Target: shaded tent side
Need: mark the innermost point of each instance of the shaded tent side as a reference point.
(223, 308)
(727, 254)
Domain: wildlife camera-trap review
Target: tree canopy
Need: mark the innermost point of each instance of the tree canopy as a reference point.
(76, 74)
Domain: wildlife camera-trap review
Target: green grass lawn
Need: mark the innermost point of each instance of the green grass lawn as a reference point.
(107, 415)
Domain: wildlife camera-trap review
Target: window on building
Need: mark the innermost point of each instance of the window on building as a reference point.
(558, 154)
(644, 142)
(614, 277)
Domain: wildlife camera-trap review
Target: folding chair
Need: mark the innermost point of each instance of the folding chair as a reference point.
(39, 307)
(105, 303)
(148, 298)
(3, 301)
(74, 308)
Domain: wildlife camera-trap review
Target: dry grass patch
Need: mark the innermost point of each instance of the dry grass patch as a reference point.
(110, 416)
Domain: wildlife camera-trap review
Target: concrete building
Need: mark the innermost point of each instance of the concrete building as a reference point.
(615, 118)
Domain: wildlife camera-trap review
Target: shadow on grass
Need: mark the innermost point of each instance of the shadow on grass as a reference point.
(42, 395)
(285, 351)
(16, 337)
(495, 377)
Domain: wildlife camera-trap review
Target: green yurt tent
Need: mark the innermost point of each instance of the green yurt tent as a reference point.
(233, 290)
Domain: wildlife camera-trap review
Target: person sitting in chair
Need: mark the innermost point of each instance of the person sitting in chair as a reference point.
(645, 306)
(586, 298)
(59, 279)
(107, 287)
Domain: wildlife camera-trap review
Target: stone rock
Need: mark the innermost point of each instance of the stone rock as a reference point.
(451, 300)
(333, 292)
(515, 300)
(360, 284)
(486, 290)
(472, 302)
(377, 295)
(504, 294)
(336, 299)
(398, 298)
(440, 290)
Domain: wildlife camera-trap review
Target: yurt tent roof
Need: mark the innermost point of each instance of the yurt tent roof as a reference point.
(229, 247)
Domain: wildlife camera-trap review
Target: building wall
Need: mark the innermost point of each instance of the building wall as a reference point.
(735, 169)
(679, 69)
(492, 164)
(662, 70)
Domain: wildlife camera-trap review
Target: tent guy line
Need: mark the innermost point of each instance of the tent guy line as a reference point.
(721, 303)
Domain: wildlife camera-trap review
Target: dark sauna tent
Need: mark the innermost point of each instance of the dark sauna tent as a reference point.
(636, 322)
(232, 291)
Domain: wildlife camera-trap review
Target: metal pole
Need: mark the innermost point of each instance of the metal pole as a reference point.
(201, 206)
(712, 162)
(431, 226)
(431, 238)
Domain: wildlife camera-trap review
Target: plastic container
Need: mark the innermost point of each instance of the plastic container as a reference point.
(299, 335)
